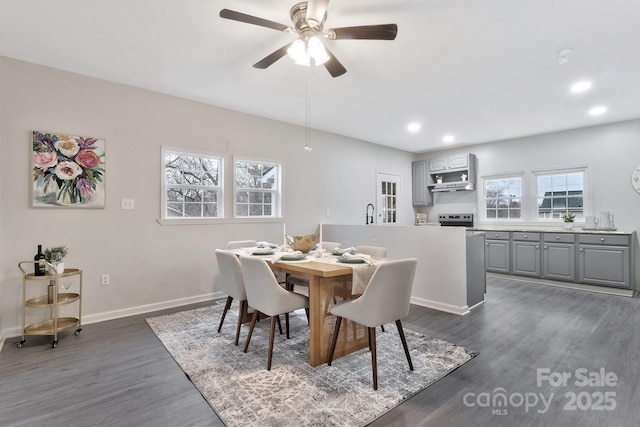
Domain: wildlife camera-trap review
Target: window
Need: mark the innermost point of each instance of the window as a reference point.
(192, 185)
(257, 189)
(560, 192)
(503, 197)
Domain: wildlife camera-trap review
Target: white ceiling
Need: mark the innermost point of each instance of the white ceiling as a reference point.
(482, 70)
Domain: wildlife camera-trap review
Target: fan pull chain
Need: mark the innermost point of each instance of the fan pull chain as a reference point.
(307, 146)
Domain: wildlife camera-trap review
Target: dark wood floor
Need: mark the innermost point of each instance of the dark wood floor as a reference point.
(117, 373)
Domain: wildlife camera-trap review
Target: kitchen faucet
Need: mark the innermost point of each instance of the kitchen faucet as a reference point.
(369, 218)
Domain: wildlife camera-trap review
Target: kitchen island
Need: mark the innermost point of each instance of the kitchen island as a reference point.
(444, 279)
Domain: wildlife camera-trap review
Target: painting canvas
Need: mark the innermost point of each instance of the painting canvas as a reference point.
(68, 171)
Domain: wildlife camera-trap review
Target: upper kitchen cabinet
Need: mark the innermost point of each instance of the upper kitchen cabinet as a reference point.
(453, 173)
(421, 194)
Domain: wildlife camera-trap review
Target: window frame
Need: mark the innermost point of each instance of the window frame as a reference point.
(277, 191)
(219, 188)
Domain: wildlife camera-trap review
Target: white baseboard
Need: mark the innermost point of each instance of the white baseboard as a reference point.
(131, 311)
(1, 340)
(449, 308)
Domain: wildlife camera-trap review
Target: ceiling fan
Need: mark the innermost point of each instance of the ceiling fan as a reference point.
(308, 20)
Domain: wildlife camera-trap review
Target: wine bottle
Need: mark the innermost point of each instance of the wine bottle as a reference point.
(39, 268)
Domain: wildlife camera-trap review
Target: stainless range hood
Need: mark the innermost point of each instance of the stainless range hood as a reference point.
(452, 186)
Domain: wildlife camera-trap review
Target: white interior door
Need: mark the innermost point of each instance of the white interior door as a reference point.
(388, 195)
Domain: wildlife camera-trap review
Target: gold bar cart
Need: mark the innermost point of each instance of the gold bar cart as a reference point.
(54, 323)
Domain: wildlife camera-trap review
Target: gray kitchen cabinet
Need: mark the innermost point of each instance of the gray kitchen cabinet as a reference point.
(559, 257)
(525, 254)
(456, 173)
(497, 251)
(420, 177)
(604, 260)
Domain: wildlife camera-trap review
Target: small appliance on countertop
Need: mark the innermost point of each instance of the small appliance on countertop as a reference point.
(456, 220)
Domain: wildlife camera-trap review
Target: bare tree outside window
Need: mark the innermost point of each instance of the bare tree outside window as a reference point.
(257, 189)
(503, 197)
(192, 185)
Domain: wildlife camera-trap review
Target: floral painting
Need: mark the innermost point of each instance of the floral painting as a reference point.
(68, 171)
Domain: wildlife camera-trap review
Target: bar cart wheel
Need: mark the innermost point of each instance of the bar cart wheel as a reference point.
(54, 344)
(77, 332)
(19, 343)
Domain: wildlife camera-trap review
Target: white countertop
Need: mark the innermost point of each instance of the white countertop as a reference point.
(533, 229)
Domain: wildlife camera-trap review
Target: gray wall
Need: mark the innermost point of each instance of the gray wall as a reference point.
(152, 265)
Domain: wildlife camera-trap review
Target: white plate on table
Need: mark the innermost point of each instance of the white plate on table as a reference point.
(339, 252)
(265, 251)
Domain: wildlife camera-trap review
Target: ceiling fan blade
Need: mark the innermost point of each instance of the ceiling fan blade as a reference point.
(333, 66)
(273, 57)
(316, 10)
(250, 19)
(371, 32)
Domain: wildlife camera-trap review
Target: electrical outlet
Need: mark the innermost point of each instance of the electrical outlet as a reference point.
(105, 280)
(127, 204)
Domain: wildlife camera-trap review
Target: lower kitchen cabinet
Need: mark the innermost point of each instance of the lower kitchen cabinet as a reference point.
(525, 254)
(497, 254)
(590, 258)
(604, 260)
(559, 257)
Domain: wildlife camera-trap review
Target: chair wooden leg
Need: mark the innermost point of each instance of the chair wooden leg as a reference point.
(279, 324)
(404, 343)
(243, 308)
(224, 312)
(286, 322)
(272, 332)
(253, 324)
(334, 340)
(306, 311)
(374, 359)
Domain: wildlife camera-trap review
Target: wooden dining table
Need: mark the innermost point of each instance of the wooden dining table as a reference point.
(328, 284)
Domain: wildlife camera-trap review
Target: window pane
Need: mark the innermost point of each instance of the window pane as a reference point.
(255, 210)
(255, 197)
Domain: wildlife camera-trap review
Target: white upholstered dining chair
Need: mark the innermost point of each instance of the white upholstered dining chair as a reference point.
(266, 296)
(237, 244)
(372, 251)
(232, 283)
(386, 299)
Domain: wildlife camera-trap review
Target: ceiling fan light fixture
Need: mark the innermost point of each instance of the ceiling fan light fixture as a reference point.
(296, 50)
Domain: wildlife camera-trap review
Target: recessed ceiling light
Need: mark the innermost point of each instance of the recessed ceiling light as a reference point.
(413, 127)
(448, 138)
(596, 111)
(581, 86)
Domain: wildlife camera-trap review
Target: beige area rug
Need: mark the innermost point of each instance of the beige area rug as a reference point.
(243, 393)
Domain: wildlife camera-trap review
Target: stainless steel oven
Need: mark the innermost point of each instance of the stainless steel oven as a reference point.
(456, 220)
